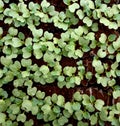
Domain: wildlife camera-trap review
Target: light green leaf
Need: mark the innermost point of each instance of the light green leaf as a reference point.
(99, 104)
(77, 96)
(45, 4)
(118, 106)
(102, 53)
(116, 94)
(79, 53)
(46, 108)
(31, 91)
(2, 117)
(73, 7)
(87, 21)
(107, 1)
(25, 74)
(68, 106)
(61, 100)
(103, 38)
(112, 37)
(44, 69)
(80, 14)
(37, 53)
(16, 42)
(62, 120)
(21, 117)
(27, 105)
(79, 115)
(40, 95)
(67, 2)
(118, 57)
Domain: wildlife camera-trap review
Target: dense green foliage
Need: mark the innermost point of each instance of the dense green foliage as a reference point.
(44, 45)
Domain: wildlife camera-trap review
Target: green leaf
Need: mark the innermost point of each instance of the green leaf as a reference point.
(54, 98)
(103, 81)
(2, 117)
(105, 21)
(15, 108)
(73, 7)
(79, 53)
(93, 119)
(35, 110)
(1, 4)
(48, 35)
(103, 114)
(87, 21)
(33, 6)
(37, 53)
(79, 115)
(79, 31)
(26, 52)
(40, 95)
(27, 105)
(61, 100)
(94, 27)
(80, 14)
(5, 61)
(16, 42)
(81, 123)
(18, 82)
(29, 123)
(46, 108)
(67, 2)
(6, 1)
(111, 49)
(31, 91)
(111, 82)
(21, 36)
(90, 107)
(77, 80)
(68, 106)
(118, 57)
(99, 104)
(21, 117)
(116, 44)
(69, 70)
(113, 25)
(62, 120)
(56, 109)
(45, 4)
(76, 106)
(44, 69)
(1, 31)
(26, 62)
(13, 31)
(3, 106)
(102, 53)
(103, 38)
(86, 115)
(25, 74)
(90, 36)
(89, 75)
(61, 78)
(107, 1)
(118, 73)
(116, 17)
(116, 94)
(86, 99)
(98, 66)
(118, 106)
(112, 37)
